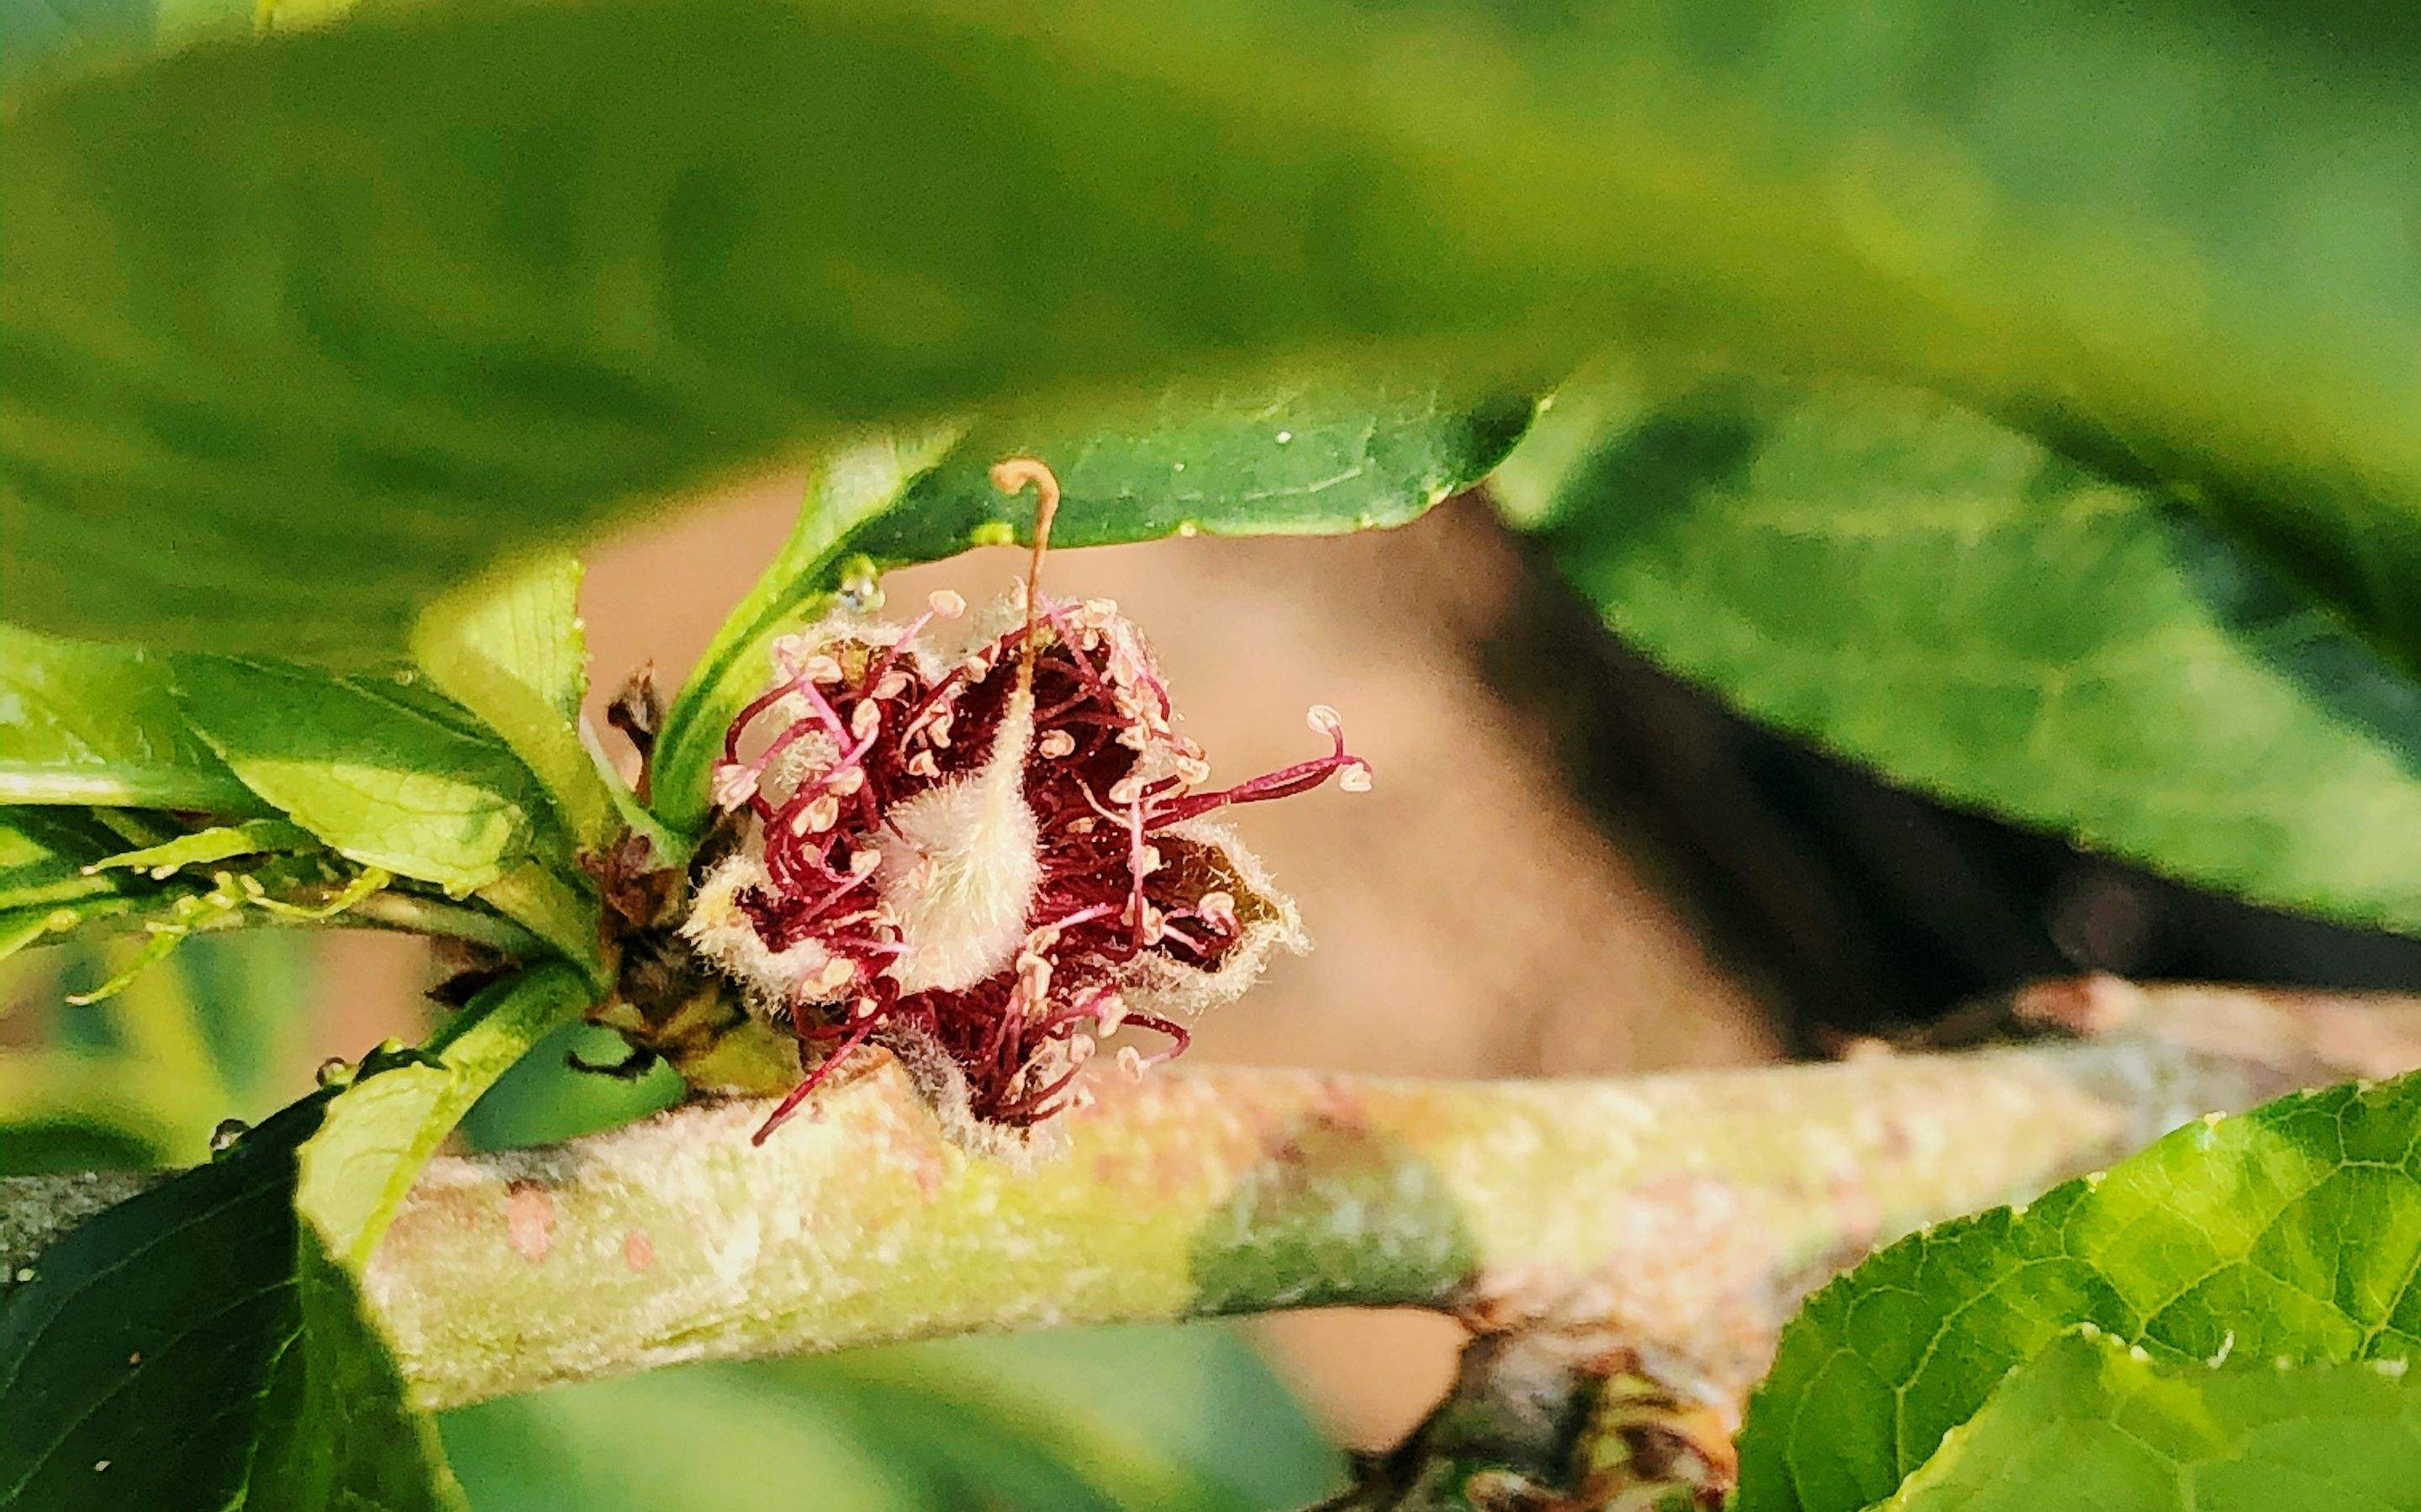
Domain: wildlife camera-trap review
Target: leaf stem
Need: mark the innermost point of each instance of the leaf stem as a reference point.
(416, 913)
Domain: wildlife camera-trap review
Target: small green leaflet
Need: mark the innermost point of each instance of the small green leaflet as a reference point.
(2289, 1234)
(2088, 1425)
(220, 842)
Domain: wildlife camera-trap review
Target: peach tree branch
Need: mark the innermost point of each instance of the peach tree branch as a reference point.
(1684, 1212)
(1687, 1211)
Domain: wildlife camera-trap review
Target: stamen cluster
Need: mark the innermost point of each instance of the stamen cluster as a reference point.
(990, 858)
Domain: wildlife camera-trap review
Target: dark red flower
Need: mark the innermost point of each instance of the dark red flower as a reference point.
(986, 868)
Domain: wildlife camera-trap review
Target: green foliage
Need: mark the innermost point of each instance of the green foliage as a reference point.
(318, 352)
(110, 752)
(1083, 1421)
(393, 776)
(139, 1079)
(112, 1345)
(90, 724)
(2087, 1426)
(106, 1347)
(2291, 1233)
(1240, 460)
(510, 649)
(69, 874)
(1971, 613)
(412, 291)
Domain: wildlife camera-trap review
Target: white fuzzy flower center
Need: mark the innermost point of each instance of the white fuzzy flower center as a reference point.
(959, 867)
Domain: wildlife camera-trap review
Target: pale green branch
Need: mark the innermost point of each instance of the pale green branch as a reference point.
(1684, 1212)
(1689, 1212)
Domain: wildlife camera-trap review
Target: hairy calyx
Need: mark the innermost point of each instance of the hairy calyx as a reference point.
(988, 851)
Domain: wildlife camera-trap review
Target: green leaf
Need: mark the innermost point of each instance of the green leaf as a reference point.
(2291, 1233)
(140, 1079)
(435, 285)
(62, 874)
(1927, 592)
(134, 1374)
(220, 842)
(387, 777)
(1304, 459)
(2087, 1426)
(393, 776)
(88, 723)
(248, 994)
(510, 650)
(46, 856)
(356, 1172)
(1092, 1420)
(107, 1349)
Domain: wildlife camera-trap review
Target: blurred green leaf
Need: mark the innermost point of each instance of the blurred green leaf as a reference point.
(37, 31)
(1924, 591)
(1244, 461)
(65, 34)
(82, 1110)
(247, 995)
(394, 776)
(441, 283)
(2289, 1234)
(2085, 1426)
(140, 1079)
(1095, 1420)
(82, 723)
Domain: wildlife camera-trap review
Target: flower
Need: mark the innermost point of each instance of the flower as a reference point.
(987, 852)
